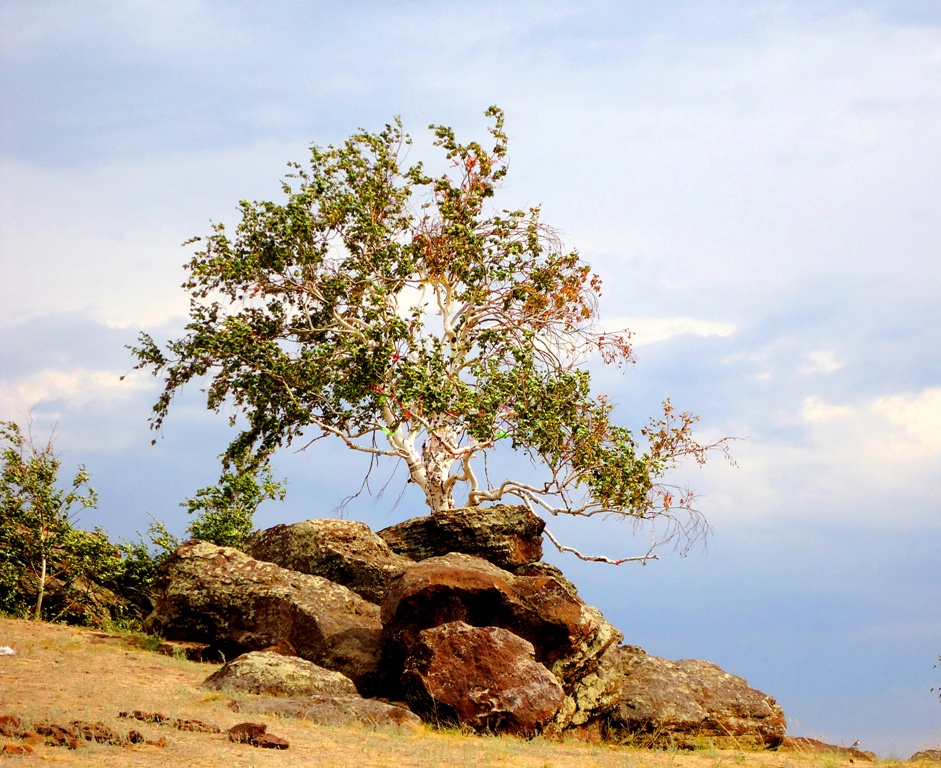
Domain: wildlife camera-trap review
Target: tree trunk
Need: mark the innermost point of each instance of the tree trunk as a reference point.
(37, 612)
(437, 461)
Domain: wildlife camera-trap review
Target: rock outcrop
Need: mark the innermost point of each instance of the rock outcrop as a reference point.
(689, 703)
(568, 636)
(273, 673)
(485, 678)
(344, 551)
(507, 536)
(472, 628)
(223, 597)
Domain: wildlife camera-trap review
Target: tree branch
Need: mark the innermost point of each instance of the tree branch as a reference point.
(642, 559)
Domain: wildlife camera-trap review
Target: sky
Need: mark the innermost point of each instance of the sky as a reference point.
(757, 183)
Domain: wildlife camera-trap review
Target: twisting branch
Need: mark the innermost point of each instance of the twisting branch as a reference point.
(642, 559)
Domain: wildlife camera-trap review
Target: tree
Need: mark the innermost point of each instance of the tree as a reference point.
(224, 511)
(38, 542)
(51, 569)
(402, 314)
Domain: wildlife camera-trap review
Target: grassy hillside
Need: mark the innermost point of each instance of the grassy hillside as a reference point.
(61, 674)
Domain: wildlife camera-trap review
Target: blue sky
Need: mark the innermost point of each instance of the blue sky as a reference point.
(757, 183)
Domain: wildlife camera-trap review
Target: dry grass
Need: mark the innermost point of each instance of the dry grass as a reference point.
(62, 674)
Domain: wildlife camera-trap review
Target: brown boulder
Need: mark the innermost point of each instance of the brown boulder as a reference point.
(934, 755)
(568, 636)
(272, 673)
(689, 703)
(344, 551)
(223, 597)
(507, 536)
(340, 711)
(485, 678)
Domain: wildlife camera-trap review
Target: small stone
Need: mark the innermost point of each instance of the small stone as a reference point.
(147, 717)
(246, 732)
(198, 726)
(257, 735)
(10, 725)
(17, 749)
(270, 741)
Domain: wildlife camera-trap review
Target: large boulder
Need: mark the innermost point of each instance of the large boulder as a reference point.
(568, 636)
(344, 551)
(507, 536)
(689, 703)
(484, 678)
(221, 596)
(593, 695)
(264, 672)
(339, 711)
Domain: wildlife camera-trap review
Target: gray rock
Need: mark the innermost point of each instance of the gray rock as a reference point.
(689, 702)
(593, 695)
(273, 673)
(484, 678)
(507, 536)
(223, 597)
(344, 551)
(335, 711)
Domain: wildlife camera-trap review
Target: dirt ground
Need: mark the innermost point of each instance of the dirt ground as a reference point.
(60, 674)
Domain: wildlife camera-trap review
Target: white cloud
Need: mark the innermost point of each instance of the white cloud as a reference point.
(78, 387)
(891, 431)
(814, 410)
(868, 464)
(821, 361)
(916, 420)
(650, 330)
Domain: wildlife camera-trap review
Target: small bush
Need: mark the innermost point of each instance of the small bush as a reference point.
(49, 568)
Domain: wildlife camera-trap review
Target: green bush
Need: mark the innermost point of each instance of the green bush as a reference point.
(49, 568)
(224, 511)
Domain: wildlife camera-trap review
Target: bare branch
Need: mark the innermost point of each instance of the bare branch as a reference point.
(642, 559)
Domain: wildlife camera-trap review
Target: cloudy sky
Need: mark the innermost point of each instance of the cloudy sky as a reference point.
(757, 183)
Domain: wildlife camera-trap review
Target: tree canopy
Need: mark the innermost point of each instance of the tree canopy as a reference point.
(405, 315)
